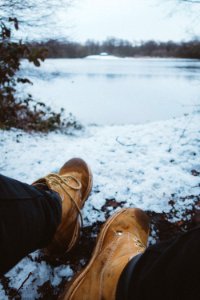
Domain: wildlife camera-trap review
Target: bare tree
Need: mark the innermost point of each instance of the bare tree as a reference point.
(34, 13)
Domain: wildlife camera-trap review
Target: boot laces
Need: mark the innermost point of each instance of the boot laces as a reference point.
(63, 182)
(139, 243)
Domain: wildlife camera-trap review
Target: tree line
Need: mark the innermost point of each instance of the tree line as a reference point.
(120, 48)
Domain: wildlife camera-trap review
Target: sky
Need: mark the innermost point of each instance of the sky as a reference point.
(134, 20)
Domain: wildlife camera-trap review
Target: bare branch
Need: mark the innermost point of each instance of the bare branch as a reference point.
(35, 14)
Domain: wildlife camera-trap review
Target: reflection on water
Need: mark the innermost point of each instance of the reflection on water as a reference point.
(118, 91)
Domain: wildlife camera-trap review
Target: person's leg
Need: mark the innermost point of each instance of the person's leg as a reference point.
(167, 270)
(44, 214)
(28, 220)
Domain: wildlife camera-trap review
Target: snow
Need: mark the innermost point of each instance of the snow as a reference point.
(102, 56)
(31, 275)
(140, 165)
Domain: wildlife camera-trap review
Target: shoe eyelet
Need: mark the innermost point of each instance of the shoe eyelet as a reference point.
(119, 232)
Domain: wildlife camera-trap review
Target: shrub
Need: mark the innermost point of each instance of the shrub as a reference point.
(23, 111)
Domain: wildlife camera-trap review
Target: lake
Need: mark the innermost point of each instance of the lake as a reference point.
(108, 90)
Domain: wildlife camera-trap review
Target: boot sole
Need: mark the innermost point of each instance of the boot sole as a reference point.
(89, 188)
(75, 283)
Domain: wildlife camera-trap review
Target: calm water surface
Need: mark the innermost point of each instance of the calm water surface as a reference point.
(118, 91)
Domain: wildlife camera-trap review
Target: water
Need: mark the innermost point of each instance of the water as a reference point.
(118, 91)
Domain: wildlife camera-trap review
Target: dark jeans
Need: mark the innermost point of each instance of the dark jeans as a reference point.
(28, 220)
(169, 270)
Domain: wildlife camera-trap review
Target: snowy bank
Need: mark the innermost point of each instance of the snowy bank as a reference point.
(135, 165)
(102, 57)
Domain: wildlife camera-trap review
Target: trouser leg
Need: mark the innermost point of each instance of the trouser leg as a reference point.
(28, 220)
(168, 270)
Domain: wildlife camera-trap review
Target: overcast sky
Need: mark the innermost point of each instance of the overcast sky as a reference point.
(134, 20)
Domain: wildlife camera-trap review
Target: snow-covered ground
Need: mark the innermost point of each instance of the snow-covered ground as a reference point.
(102, 56)
(139, 165)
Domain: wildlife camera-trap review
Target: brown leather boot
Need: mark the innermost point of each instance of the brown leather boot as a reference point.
(73, 183)
(122, 237)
